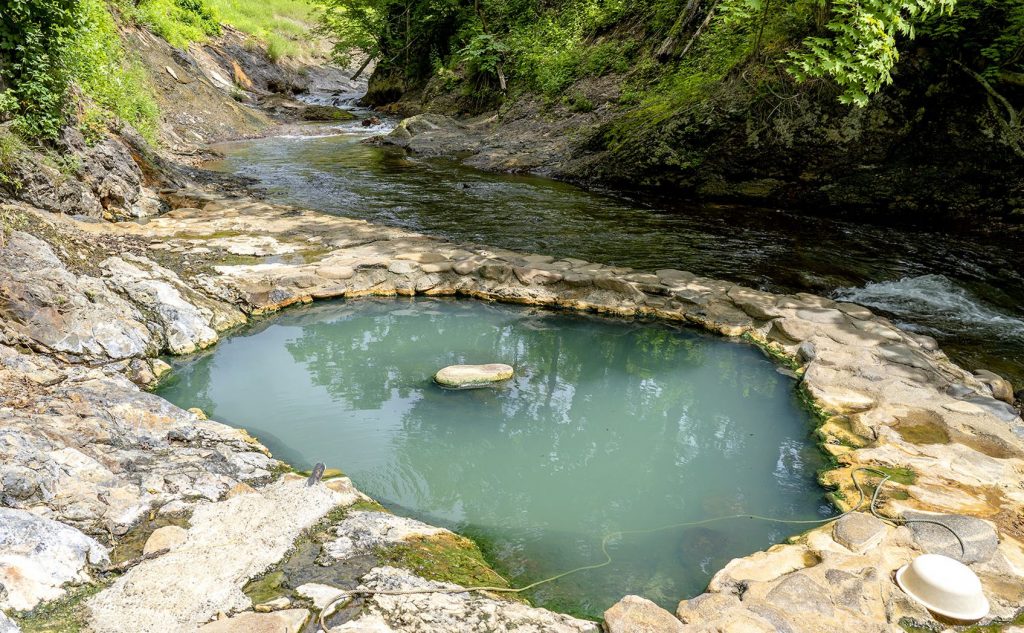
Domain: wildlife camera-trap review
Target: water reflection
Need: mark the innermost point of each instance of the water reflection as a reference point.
(607, 426)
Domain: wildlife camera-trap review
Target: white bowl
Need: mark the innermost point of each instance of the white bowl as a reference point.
(945, 586)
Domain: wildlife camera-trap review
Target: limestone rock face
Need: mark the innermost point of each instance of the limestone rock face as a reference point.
(38, 556)
(210, 568)
(634, 614)
(452, 612)
(463, 376)
(94, 451)
(49, 305)
(364, 531)
(287, 621)
(185, 322)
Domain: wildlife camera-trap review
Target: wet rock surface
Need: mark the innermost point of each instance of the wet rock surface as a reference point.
(85, 307)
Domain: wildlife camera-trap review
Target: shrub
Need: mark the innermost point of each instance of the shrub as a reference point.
(36, 37)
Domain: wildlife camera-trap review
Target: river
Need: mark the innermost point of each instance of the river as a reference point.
(966, 292)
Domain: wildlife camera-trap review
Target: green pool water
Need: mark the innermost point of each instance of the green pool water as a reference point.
(607, 426)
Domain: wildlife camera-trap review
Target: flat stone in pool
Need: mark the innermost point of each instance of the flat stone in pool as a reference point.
(606, 426)
(467, 376)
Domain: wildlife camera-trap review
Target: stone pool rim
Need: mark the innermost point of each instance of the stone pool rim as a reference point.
(864, 377)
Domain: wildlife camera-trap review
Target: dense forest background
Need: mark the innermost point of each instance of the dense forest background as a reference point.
(815, 103)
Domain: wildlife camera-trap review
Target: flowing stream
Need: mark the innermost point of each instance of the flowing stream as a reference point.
(968, 293)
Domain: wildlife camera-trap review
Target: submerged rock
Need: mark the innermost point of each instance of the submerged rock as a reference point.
(165, 539)
(462, 376)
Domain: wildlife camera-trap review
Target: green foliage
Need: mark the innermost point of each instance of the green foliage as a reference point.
(284, 25)
(543, 45)
(115, 84)
(180, 22)
(483, 54)
(11, 149)
(36, 37)
(46, 46)
(857, 48)
(861, 51)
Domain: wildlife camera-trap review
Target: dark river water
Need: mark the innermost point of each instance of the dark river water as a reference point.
(968, 293)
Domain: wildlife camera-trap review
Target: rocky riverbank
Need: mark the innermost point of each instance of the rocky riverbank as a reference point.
(92, 462)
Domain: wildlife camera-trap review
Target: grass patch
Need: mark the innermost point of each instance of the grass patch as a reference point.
(116, 84)
(443, 558)
(283, 25)
(904, 476)
(180, 22)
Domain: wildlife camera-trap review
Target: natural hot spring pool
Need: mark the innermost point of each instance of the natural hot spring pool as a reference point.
(608, 425)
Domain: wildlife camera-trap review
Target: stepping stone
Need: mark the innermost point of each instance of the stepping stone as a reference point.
(462, 376)
(858, 532)
(321, 595)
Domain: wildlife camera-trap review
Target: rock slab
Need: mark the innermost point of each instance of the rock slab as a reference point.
(634, 614)
(858, 532)
(464, 376)
(229, 543)
(979, 538)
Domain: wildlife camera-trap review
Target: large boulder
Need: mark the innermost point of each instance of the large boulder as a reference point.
(634, 614)
(432, 135)
(465, 376)
(38, 556)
